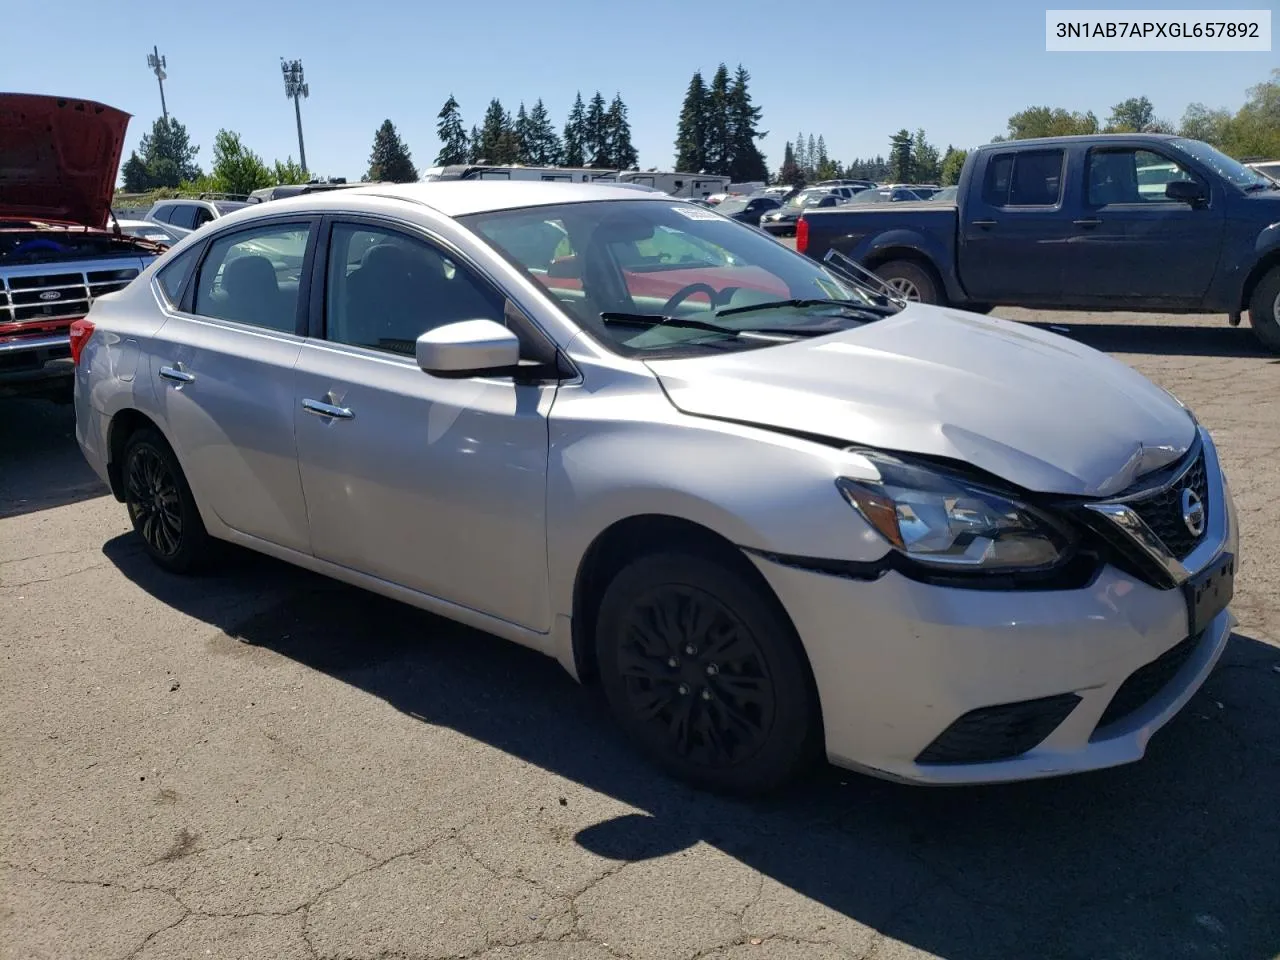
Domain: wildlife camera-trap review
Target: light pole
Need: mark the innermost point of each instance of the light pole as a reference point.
(295, 88)
(157, 65)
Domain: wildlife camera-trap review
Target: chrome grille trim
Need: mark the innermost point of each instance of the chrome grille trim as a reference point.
(77, 286)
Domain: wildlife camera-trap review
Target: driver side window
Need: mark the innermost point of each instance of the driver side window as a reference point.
(384, 289)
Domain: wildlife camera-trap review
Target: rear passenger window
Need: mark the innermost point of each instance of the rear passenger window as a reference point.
(253, 277)
(173, 275)
(1031, 178)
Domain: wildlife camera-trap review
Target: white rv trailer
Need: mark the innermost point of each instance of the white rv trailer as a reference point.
(484, 171)
(696, 185)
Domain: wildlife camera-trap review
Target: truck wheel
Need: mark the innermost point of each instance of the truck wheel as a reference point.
(1264, 310)
(910, 281)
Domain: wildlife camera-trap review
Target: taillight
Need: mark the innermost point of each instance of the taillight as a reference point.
(81, 331)
(802, 235)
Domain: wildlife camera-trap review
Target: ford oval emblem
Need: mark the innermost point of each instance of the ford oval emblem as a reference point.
(51, 295)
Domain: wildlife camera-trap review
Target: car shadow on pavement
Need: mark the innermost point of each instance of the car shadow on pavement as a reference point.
(1177, 855)
(40, 464)
(1163, 340)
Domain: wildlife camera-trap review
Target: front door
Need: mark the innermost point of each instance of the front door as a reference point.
(1135, 243)
(434, 484)
(223, 374)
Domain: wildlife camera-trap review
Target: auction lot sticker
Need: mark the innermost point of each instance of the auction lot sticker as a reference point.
(1157, 30)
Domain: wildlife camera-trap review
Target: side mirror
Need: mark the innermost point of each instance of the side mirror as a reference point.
(468, 348)
(1186, 191)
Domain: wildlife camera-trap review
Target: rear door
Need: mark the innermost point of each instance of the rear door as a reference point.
(1016, 228)
(1133, 242)
(222, 366)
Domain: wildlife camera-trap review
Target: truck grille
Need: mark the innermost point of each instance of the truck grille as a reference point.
(42, 303)
(1162, 510)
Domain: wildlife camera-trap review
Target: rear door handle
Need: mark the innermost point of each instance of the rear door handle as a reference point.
(984, 223)
(176, 374)
(327, 410)
(1087, 223)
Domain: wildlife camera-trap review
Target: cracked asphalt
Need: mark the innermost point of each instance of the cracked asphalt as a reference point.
(262, 763)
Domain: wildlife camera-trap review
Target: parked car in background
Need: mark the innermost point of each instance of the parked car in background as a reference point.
(861, 184)
(165, 233)
(191, 213)
(280, 191)
(748, 209)
(58, 163)
(1145, 222)
(775, 514)
(892, 194)
(945, 195)
(781, 222)
(1268, 168)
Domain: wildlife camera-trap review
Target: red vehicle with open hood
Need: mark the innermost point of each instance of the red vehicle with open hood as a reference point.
(58, 163)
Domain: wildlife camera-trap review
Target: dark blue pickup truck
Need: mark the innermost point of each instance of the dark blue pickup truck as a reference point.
(1142, 222)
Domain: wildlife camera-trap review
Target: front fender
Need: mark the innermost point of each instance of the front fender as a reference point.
(754, 487)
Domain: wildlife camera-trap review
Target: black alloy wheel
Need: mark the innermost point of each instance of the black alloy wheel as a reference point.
(160, 504)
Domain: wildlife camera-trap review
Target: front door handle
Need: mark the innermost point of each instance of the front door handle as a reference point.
(176, 374)
(1092, 222)
(327, 410)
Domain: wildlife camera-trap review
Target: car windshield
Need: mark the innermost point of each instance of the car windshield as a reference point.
(654, 278)
(728, 207)
(1231, 170)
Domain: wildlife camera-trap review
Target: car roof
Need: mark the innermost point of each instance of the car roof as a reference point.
(457, 198)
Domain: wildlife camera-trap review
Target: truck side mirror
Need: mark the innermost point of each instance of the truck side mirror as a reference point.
(1186, 191)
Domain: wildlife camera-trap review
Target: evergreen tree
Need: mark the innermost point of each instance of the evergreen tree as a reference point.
(595, 134)
(164, 158)
(925, 160)
(811, 159)
(496, 123)
(789, 172)
(719, 148)
(473, 145)
(545, 146)
(523, 136)
(900, 157)
(622, 153)
(952, 163)
(390, 159)
(574, 152)
(745, 162)
(454, 145)
(691, 131)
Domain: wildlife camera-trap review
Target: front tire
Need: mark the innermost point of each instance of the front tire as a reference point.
(910, 281)
(705, 675)
(161, 506)
(1264, 310)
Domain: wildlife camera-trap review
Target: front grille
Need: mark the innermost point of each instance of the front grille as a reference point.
(1162, 510)
(999, 733)
(1146, 683)
(39, 302)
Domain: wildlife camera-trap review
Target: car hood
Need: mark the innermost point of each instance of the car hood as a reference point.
(1039, 410)
(58, 158)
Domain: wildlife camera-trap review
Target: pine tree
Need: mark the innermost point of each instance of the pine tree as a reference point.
(622, 153)
(523, 136)
(925, 162)
(546, 149)
(595, 134)
(745, 163)
(573, 134)
(718, 145)
(390, 159)
(900, 158)
(802, 161)
(691, 131)
(496, 123)
(811, 159)
(789, 172)
(454, 145)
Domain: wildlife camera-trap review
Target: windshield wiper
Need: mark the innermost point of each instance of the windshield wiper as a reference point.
(852, 305)
(658, 320)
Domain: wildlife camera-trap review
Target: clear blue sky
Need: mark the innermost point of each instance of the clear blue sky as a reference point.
(855, 73)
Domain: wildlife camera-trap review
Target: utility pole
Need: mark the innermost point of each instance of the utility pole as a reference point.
(157, 65)
(295, 88)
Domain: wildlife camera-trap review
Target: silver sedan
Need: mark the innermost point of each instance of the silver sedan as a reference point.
(775, 512)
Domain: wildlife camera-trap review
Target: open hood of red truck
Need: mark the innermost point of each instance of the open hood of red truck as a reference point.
(58, 158)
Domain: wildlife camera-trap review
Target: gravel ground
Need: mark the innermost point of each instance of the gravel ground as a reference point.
(263, 763)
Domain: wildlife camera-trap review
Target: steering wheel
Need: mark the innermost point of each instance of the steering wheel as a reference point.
(684, 293)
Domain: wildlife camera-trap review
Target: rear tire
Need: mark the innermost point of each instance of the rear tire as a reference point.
(911, 280)
(705, 675)
(1264, 310)
(161, 506)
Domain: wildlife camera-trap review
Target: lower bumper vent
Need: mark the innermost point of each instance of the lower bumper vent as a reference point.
(999, 733)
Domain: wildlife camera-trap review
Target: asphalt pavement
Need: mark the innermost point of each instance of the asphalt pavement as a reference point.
(264, 763)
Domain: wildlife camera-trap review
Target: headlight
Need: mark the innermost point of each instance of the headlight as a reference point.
(945, 521)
